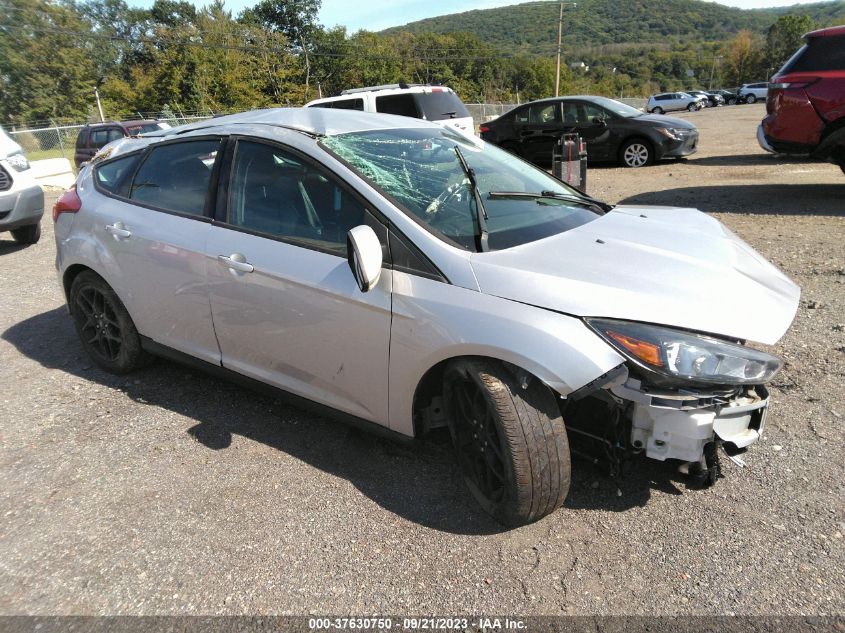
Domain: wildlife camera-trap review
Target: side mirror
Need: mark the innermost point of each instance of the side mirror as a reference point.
(365, 259)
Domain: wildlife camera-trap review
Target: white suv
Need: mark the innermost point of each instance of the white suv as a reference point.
(669, 101)
(21, 198)
(751, 93)
(437, 104)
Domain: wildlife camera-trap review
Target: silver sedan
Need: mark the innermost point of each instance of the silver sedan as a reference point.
(409, 278)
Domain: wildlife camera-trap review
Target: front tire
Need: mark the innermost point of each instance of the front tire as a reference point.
(104, 326)
(27, 234)
(657, 110)
(692, 107)
(636, 153)
(510, 441)
(750, 99)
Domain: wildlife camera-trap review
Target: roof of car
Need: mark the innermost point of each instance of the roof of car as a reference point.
(124, 123)
(828, 32)
(312, 121)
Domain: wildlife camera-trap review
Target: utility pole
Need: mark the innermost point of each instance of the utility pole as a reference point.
(559, 40)
(99, 105)
(712, 70)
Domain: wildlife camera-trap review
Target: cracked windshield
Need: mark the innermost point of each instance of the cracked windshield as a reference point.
(476, 196)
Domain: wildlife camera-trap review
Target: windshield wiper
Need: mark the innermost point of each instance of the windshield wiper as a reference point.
(581, 199)
(480, 211)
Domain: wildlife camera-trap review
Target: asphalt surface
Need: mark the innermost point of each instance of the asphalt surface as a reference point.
(170, 492)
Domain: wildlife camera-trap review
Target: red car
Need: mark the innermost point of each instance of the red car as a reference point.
(806, 102)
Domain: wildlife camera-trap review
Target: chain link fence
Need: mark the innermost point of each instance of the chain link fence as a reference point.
(59, 141)
(483, 112)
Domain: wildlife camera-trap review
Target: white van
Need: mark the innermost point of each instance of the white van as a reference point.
(437, 104)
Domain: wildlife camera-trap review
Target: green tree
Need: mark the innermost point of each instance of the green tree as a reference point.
(784, 38)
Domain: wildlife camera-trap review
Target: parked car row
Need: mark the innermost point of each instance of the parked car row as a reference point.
(693, 100)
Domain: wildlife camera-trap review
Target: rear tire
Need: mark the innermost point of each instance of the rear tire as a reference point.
(27, 234)
(750, 99)
(731, 101)
(510, 441)
(104, 326)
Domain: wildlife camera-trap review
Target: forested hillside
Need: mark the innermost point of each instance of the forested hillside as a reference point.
(175, 58)
(532, 27)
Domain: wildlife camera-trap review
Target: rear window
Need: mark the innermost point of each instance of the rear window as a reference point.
(439, 106)
(102, 137)
(820, 53)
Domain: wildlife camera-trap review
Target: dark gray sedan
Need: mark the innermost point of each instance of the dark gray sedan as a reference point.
(613, 131)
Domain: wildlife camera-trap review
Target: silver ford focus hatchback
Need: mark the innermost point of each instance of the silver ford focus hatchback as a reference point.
(408, 277)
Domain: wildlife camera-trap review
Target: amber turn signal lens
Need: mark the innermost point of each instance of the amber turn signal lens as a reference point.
(646, 352)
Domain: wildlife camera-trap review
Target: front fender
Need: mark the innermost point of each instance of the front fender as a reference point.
(435, 321)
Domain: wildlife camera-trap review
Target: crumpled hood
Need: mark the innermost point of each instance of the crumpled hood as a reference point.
(664, 265)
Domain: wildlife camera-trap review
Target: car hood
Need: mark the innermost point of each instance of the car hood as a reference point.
(663, 265)
(667, 121)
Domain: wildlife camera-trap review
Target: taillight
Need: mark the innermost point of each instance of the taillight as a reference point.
(797, 83)
(483, 128)
(69, 202)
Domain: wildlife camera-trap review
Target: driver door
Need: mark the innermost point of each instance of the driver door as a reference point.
(584, 119)
(287, 310)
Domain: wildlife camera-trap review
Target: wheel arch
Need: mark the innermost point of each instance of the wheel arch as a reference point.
(427, 413)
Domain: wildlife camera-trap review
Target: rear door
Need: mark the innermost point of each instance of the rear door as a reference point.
(154, 226)
(287, 310)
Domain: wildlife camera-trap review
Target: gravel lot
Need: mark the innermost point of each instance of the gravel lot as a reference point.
(170, 492)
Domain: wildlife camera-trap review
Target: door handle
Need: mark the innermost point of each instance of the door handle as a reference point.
(236, 262)
(118, 230)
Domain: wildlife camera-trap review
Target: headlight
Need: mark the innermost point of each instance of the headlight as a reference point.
(686, 356)
(18, 161)
(671, 132)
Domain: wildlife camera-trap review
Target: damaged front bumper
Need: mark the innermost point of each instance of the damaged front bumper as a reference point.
(621, 416)
(679, 425)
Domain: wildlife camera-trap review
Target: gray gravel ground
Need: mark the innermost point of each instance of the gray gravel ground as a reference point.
(170, 492)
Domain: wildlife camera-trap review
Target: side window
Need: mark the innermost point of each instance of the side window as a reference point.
(349, 104)
(592, 112)
(401, 104)
(544, 113)
(277, 193)
(115, 176)
(175, 177)
(521, 116)
(113, 133)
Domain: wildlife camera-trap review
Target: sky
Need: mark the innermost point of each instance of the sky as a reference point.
(378, 15)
